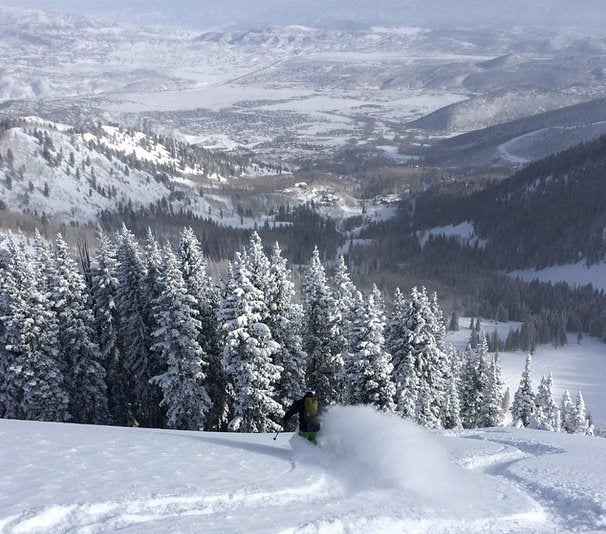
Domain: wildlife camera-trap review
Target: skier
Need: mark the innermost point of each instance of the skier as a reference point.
(307, 408)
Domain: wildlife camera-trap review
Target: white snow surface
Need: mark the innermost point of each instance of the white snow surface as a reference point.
(371, 473)
(464, 232)
(574, 274)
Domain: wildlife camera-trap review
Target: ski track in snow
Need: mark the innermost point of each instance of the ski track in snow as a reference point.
(116, 515)
(566, 512)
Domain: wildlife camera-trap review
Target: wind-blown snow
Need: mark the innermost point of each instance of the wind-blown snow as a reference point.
(371, 473)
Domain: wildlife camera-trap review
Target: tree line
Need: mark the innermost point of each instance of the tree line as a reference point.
(143, 335)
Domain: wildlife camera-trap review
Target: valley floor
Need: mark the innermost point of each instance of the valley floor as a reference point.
(372, 473)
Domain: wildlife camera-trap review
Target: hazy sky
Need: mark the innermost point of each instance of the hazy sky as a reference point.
(582, 15)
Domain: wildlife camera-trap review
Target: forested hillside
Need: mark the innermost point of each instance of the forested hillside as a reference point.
(551, 212)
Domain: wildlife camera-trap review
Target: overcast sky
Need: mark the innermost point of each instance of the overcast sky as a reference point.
(582, 15)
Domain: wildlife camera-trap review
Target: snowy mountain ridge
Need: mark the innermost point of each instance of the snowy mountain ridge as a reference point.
(53, 170)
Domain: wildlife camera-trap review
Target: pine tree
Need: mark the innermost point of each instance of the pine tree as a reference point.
(580, 417)
(453, 325)
(568, 413)
(397, 344)
(491, 411)
(426, 331)
(4, 314)
(321, 338)
(470, 390)
(200, 286)
(524, 399)
(369, 370)
(134, 337)
(473, 337)
(285, 321)
(85, 377)
(156, 365)
(248, 354)
(549, 418)
(452, 410)
(416, 337)
(483, 379)
(424, 413)
(104, 293)
(31, 380)
(183, 384)
(257, 264)
(348, 302)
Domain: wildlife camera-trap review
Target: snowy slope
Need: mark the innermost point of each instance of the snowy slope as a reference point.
(71, 194)
(495, 108)
(394, 477)
(574, 274)
(84, 172)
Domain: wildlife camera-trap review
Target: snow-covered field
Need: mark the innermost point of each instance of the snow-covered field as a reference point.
(574, 274)
(464, 232)
(372, 473)
(574, 366)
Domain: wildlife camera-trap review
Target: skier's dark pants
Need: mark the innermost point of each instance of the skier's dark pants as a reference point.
(310, 436)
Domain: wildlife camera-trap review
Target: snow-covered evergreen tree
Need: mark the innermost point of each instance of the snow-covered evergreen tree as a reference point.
(397, 344)
(470, 390)
(285, 320)
(425, 414)
(248, 354)
(134, 335)
(537, 419)
(199, 285)
(580, 423)
(4, 313)
(453, 324)
(524, 399)
(104, 291)
(321, 337)
(257, 264)
(549, 416)
(369, 370)
(568, 413)
(439, 323)
(154, 267)
(153, 259)
(452, 409)
(176, 343)
(491, 411)
(84, 375)
(32, 384)
(425, 337)
(348, 301)
(416, 340)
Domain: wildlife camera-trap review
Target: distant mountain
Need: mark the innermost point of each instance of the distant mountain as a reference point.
(523, 140)
(552, 212)
(556, 15)
(499, 107)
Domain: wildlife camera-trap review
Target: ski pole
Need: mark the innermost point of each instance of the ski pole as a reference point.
(277, 434)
